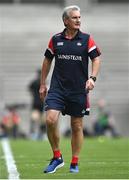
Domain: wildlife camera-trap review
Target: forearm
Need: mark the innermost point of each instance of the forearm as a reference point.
(45, 70)
(95, 66)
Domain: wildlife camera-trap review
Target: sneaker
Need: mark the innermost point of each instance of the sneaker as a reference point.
(54, 165)
(74, 168)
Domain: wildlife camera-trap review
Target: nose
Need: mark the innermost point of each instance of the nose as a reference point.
(78, 19)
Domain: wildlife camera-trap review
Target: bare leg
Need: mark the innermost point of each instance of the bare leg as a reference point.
(52, 128)
(56, 162)
(77, 135)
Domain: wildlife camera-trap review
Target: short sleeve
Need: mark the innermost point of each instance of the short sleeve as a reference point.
(93, 50)
(49, 53)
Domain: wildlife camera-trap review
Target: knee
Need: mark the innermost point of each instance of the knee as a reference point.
(50, 120)
(77, 128)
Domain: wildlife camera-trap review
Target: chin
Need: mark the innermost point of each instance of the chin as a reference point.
(77, 27)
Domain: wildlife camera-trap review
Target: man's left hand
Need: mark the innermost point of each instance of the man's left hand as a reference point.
(90, 84)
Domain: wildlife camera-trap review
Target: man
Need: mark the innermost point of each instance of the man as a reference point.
(37, 125)
(69, 84)
(105, 122)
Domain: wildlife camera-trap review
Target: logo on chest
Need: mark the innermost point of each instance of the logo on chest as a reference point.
(69, 57)
(60, 43)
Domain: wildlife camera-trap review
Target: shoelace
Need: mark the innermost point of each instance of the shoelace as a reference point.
(52, 160)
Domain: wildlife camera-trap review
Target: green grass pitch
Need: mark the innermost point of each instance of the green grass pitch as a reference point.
(100, 158)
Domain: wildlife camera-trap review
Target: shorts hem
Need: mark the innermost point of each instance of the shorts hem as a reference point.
(53, 108)
(80, 115)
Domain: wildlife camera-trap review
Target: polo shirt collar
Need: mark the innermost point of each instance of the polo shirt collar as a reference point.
(78, 35)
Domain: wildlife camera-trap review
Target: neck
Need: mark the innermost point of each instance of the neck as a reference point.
(70, 33)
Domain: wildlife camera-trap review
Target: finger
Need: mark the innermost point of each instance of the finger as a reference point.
(92, 82)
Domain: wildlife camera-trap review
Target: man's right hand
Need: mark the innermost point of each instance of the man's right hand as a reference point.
(42, 91)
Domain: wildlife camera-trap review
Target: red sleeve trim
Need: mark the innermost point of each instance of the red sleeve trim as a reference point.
(91, 44)
(50, 46)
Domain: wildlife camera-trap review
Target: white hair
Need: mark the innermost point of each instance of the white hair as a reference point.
(68, 9)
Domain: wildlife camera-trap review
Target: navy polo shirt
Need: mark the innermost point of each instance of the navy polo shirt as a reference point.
(71, 61)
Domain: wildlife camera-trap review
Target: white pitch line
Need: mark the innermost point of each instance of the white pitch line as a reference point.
(10, 162)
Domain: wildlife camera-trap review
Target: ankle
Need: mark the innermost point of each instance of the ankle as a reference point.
(74, 160)
(56, 153)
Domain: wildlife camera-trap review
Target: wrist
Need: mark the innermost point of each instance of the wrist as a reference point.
(42, 84)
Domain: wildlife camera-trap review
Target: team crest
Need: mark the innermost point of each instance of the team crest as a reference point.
(83, 111)
(79, 44)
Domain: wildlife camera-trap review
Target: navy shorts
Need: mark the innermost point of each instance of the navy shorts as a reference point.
(76, 105)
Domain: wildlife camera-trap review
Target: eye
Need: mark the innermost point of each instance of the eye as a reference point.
(75, 17)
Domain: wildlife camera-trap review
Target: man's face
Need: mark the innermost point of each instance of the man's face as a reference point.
(74, 20)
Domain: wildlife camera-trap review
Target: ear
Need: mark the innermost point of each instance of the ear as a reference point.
(65, 22)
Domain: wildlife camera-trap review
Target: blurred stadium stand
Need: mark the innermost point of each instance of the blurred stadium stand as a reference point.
(112, 1)
(33, 1)
(24, 34)
(61, 1)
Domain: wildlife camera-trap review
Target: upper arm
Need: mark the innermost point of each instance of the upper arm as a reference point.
(47, 61)
(96, 59)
